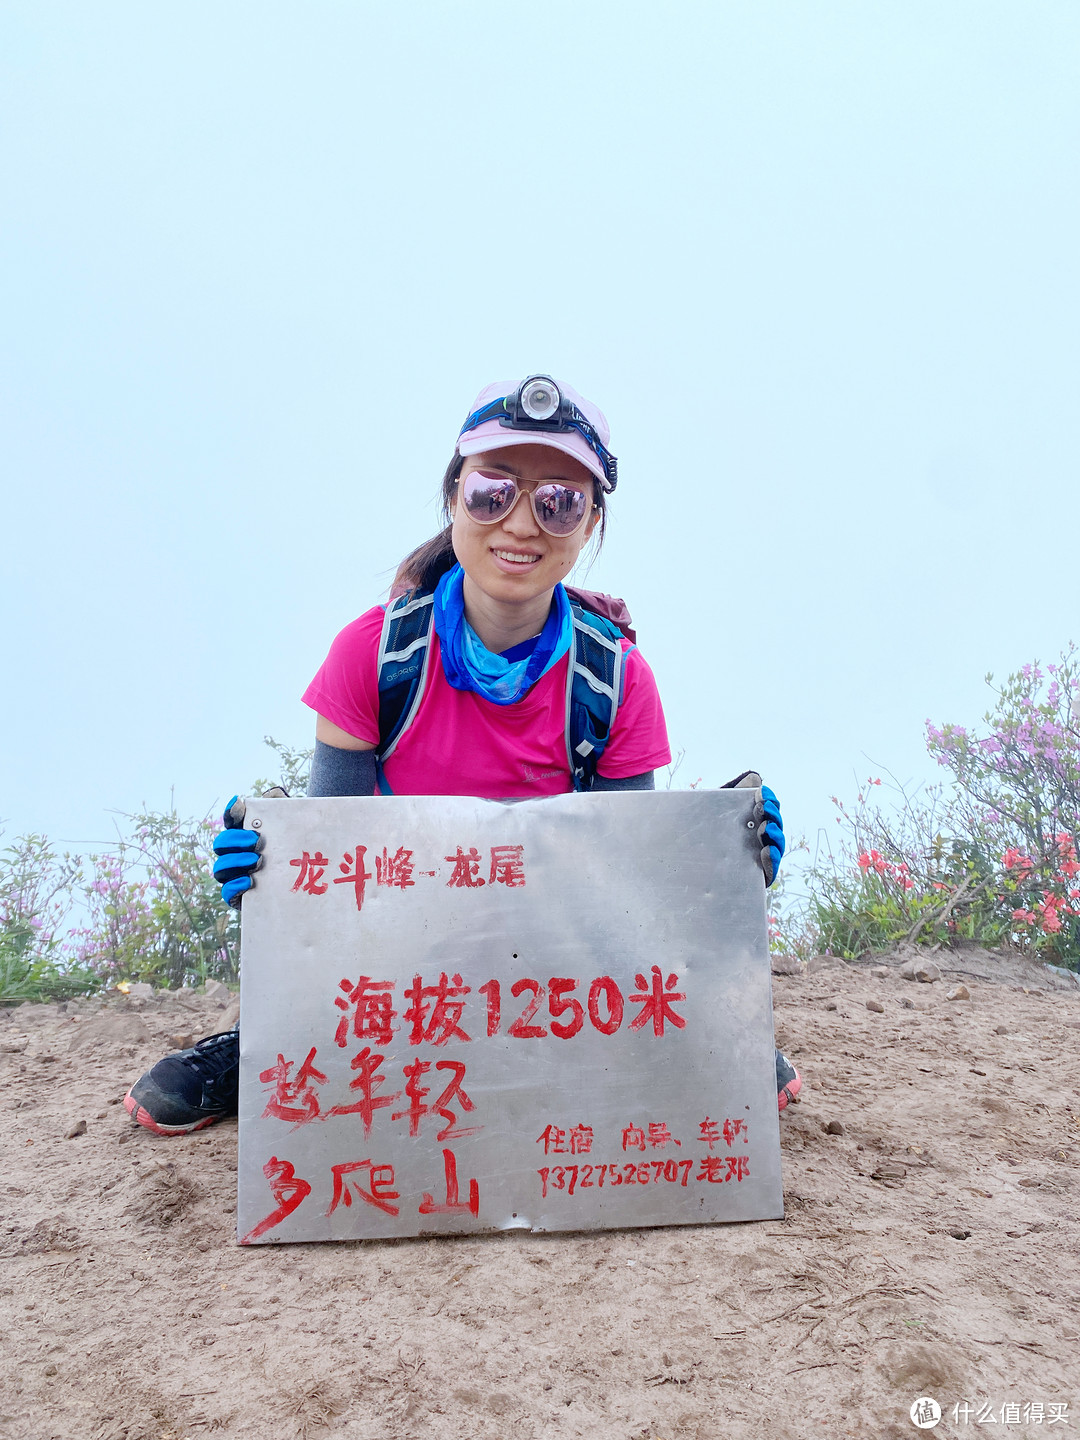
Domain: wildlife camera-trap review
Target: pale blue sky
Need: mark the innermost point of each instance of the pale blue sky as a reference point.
(816, 262)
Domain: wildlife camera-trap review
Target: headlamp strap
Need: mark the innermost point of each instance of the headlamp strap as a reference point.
(495, 411)
(571, 418)
(577, 421)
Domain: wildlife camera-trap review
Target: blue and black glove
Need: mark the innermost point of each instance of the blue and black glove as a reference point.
(238, 855)
(770, 823)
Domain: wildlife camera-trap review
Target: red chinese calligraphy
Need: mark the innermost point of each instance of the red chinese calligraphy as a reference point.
(294, 1099)
(660, 1135)
(656, 1002)
(507, 865)
(712, 1169)
(633, 1138)
(372, 1009)
(367, 1082)
(380, 1178)
(288, 1190)
(553, 1140)
(466, 872)
(452, 1204)
(709, 1132)
(395, 870)
(733, 1128)
(312, 868)
(436, 1022)
(353, 873)
(718, 1168)
(581, 1138)
(417, 1109)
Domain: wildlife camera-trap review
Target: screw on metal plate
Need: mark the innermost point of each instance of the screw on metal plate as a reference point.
(256, 824)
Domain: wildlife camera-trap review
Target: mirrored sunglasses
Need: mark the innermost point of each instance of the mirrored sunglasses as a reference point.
(489, 497)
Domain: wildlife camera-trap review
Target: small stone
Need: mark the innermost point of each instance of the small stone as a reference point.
(1001, 1029)
(958, 1234)
(13, 1044)
(889, 1171)
(877, 1007)
(203, 1245)
(881, 972)
(216, 991)
(141, 991)
(786, 965)
(1030, 1184)
(183, 1041)
(907, 1004)
(958, 992)
(50, 1370)
(79, 1128)
(834, 1127)
(831, 1005)
(924, 970)
(824, 962)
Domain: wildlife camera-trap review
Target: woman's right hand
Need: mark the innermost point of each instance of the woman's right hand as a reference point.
(238, 854)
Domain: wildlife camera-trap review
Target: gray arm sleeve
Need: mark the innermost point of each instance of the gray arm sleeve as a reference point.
(632, 782)
(341, 772)
(352, 772)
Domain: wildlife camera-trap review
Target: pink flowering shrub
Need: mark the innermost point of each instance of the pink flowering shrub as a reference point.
(36, 886)
(1018, 785)
(153, 910)
(147, 908)
(990, 856)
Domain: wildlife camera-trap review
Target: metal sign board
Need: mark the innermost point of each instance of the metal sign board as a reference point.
(461, 1015)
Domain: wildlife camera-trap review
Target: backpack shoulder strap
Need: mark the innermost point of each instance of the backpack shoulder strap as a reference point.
(404, 651)
(594, 684)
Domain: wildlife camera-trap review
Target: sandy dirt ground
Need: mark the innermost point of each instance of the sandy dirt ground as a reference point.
(930, 1247)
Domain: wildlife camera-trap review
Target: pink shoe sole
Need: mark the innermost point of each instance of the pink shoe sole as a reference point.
(143, 1117)
(790, 1093)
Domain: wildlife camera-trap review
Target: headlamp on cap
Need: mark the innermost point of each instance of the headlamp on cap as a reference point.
(539, 399)
(538, 404)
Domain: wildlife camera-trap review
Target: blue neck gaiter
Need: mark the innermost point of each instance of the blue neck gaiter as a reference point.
(469, 665)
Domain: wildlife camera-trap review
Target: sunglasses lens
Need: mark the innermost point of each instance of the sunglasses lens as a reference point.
(488, 497)
(559, 509)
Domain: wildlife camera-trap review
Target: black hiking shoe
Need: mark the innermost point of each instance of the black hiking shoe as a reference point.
(788, 1081)
(190, 1089)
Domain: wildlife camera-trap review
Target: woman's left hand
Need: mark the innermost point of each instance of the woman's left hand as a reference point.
(770, 823)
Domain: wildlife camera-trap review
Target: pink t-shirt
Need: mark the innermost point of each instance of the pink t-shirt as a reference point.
(462, 744)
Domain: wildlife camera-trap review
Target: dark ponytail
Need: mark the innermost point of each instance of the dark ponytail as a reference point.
(424, 567)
